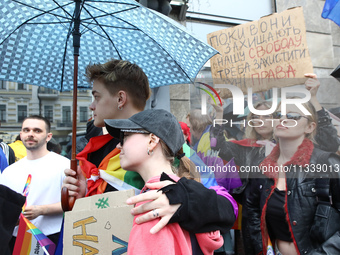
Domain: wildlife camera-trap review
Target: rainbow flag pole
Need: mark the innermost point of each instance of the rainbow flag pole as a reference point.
(26, 190)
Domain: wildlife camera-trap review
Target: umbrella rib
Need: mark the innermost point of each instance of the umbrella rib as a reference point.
(95, 32)
(108, 37)
(136, 6)
(148, 37)
(65, 51)
(109, 14)
(46, 12)
(66, 12)
(106, 14)
(27, 21)
(112, 2)
(102, 25)
(64, 58)
(49, 23)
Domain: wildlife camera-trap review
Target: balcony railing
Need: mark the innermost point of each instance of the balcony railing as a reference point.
(64, 124)
(47, 93)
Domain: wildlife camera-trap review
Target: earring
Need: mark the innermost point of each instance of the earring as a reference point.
(150, 152)
(120, 107)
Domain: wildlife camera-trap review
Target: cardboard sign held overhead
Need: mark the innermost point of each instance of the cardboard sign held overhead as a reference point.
(99, 224)
(270, 52)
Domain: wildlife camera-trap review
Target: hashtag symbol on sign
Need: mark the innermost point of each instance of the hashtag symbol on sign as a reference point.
(103, 203)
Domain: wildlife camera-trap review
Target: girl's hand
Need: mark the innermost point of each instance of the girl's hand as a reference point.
(157, 206)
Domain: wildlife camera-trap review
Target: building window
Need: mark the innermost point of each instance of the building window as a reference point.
(83, 114)
(66, 114)
(48, 110)
(3, 85)
(2, 113)
(22, 112)
(22, 86)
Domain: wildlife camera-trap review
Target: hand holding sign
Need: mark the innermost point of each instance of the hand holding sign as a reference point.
(270, 52)
(312, 84)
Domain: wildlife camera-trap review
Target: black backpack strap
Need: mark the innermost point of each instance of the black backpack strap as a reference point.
(322, 183)
(322, 190)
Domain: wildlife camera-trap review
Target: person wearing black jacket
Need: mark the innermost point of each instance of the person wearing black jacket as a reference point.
(252, 150)
(11, 204)
(282, 205)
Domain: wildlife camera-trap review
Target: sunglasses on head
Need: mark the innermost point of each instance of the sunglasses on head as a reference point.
(136, 131)
(289, 116)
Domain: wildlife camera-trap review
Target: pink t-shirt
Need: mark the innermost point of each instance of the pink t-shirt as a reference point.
(170, 240)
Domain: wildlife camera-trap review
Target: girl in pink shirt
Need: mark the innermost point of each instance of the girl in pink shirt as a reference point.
(149, 142)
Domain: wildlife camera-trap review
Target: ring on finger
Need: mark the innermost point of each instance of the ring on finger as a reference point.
(155, 213)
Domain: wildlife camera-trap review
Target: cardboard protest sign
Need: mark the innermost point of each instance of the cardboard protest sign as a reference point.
(99, 224)
(270, 52)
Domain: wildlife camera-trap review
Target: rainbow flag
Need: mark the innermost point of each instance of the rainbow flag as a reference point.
(27, 235)
(24, 244)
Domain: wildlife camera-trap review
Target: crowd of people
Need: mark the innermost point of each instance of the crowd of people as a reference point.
(181, 208)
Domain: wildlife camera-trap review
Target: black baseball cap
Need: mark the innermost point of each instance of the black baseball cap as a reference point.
(156, 121)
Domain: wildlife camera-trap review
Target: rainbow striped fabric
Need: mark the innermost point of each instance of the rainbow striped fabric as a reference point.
(110, 165)
(28, 234)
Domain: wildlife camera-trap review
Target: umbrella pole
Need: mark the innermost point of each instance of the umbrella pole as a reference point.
(74, 117)
(66, 201)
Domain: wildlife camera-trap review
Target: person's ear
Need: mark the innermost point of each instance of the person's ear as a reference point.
(154, 140)
(121, 98)
(49, 137)
(310, 128)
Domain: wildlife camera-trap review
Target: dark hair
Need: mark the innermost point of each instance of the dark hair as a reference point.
(55, 147)
(38, 117)
(122, 75)
(186, 166)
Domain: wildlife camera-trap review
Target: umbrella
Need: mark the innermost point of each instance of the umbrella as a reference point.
(40, 41)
